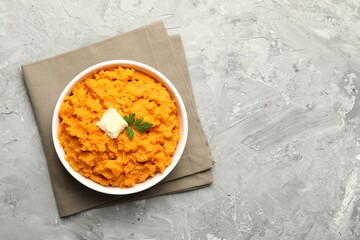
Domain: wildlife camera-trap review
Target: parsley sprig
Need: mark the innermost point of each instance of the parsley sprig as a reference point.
(138, 124)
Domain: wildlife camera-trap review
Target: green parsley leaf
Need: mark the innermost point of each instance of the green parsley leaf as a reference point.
(130, 132)
(131, 118)
(138, 124)
(143, 127)
(138, 121)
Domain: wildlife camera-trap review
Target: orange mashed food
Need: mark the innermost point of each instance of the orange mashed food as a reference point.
(119, 162)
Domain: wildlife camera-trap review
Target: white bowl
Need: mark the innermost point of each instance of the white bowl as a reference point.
(182, 116)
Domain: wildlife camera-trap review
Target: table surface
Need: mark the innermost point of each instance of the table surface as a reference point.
(277, 89)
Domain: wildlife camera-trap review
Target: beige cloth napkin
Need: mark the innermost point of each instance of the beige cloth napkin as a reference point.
(151, 45)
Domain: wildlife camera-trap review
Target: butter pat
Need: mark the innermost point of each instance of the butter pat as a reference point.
(112, 123)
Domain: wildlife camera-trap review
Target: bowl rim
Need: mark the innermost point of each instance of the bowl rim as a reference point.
(181, 112)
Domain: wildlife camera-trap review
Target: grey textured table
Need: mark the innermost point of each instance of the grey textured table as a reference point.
(277, 87)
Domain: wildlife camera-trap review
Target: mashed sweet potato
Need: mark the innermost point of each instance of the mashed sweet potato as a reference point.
(119, 162)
